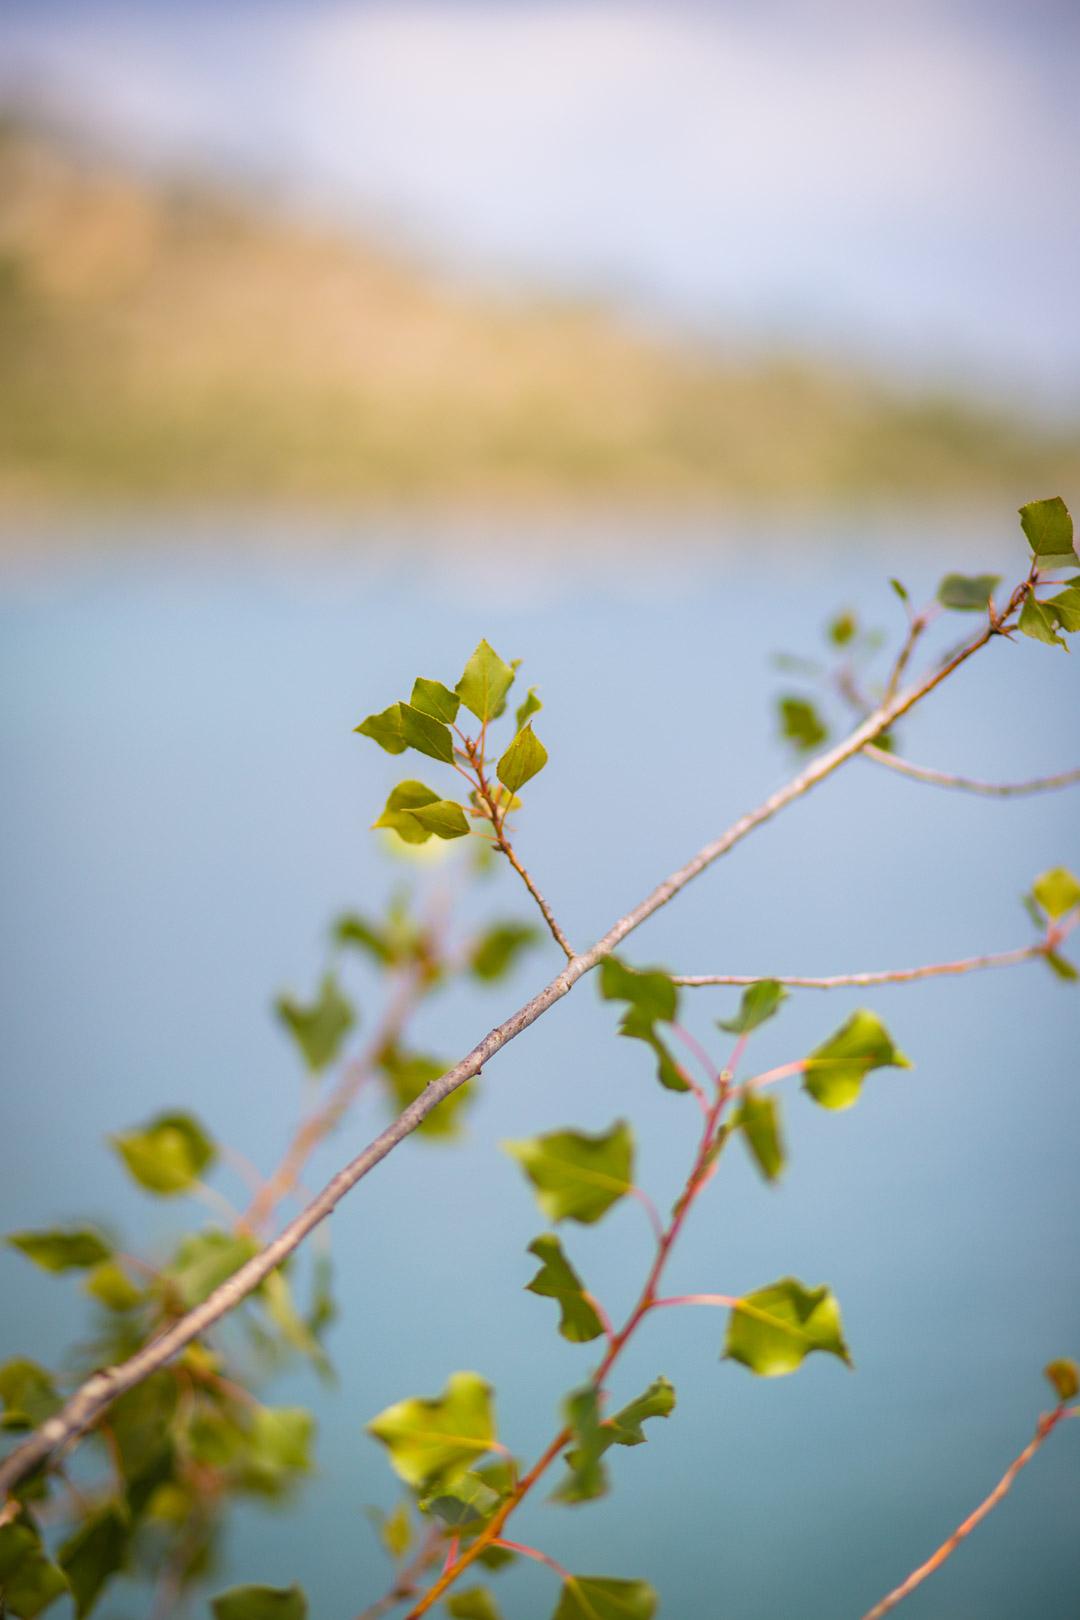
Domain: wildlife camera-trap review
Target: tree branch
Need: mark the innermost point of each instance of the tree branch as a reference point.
(970, 784)
(1046, 1426)
(842, 981)
(104, 1386)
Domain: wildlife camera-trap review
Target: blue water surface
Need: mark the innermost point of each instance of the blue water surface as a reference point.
(184, 809)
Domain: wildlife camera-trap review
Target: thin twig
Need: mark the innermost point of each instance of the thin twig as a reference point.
(82, 1409)
(971, 784)
(842, 981)
(1046, 1426)
(498, 824)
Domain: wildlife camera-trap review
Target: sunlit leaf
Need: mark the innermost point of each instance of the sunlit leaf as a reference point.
(801, 724)
(1066, 607)
(839, 1066)
(435, 699)
(967, 593)
(1061, 967)
(650, 990)
(415, 813)
(1056, 891)
(318, 1027)
(577, 1176)
(433, 1441)
(62, 1251)
(463, 1504)
(168, 1155)
(352, 929)
(579, 1321)
(387, 729)
(396, 1531)
(1049, 529)
(276, 1294)
(1064, 1375)
(841, 630)
(485, 682)
(598, 1597)
(529, 706)
(593, 1435)
(901, 590)
(759, 1002)
(524, 759)
(758, 1117)
(427, 735)
(28, 1393)
(111, 1286)
(1039, 623)
(203, 1261)
(476, 1603)
(260, 1603)
(774, 1329)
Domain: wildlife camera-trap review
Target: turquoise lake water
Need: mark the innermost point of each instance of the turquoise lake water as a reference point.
(185, 808)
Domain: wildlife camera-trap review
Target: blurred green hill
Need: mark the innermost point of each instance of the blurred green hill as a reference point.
(164, 341)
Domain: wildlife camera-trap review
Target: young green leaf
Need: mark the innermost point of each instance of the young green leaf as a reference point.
(168, 1155)
(29, 1581)
(435, 699)
(774, 1329)
(111, 1286)
(1066, 607)
(319, 1028)
(597, 1597)
(1039, 623)
(801, 724)
(464, 1504)
(61, 1251)
(593, 1437)
(578, 1177)
(650, 990)
(529, 706)
(426, 735)
(901, 591)
(842, 629)
(524, 759)
(28, 1393)
(396, 1533)
(1049, 528)
(579, 1321)
(476, 1603)
(260, 1603)
(839, 1066)
(1061, 967)
(759, 1002)
(967, 593)
(485, 683)
(386, 729)
(352, 929)
(407, 1074)
(203, 1261)
(397, 813)
(624, 1426)
(432, 1442)
(496, 951)
(1057, 891)
(1064, 1375)
(637, 1027)
(97, 1550)
(758, 1117)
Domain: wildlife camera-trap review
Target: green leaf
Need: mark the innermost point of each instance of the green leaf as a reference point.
(1061, 966)
(464, 1504)
(596, 1597)
(758, 1117)
(801, 724)
(352, 929)
(1057, 891)
(426, 735)
(759, 1002)
(203, 1261)
(839, 1066)
(774, 1329)
(28, 1393)
(280, 1441)
(168, 1155)
(387, 729)
(1039, 623)
(407, 1074)
(435, 699)
(432, 1442)
(111, 1286)
(578, 1177)
(579, 1321)
(414, 812)
(276, 1294)
(485, 683)
(495, 952)
(320, 1027)
(901, 590)
(29, 1581)
(396, 1532)
(476, 1603)
(967, 593)
(1066, 607)
(650, 990)
(530, 705)
(841, 630)
(260, 1603)
(61, 1251)
(96, 1551)
(444, 818)
(1064, 1375)
(1049, 528)
(524, 759)
(587, 1479)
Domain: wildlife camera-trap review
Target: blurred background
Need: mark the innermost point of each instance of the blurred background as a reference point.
(639, 338)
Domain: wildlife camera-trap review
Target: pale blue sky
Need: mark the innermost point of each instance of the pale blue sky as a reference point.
(896, 181)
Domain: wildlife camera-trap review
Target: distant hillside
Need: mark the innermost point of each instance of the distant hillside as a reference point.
(165, 342)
